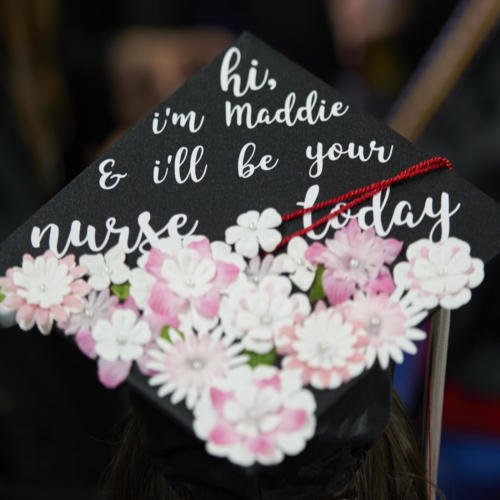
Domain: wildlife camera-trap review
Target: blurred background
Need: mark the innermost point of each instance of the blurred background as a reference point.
(74, 76)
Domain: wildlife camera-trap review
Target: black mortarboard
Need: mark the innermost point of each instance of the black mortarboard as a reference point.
(251, 131)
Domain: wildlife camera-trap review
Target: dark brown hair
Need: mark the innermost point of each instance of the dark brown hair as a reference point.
(393, 468)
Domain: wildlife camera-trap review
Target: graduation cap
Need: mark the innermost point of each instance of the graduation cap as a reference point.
(258, 353)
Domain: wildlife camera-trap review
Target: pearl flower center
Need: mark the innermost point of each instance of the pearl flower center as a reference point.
(189, 283)
(442, 273)
(253, 414)
(266, 319)
(121, 339)
(354, 263)
(374, 325)
(323, 347)
(43, 287)
(196, 364)
(252, 226)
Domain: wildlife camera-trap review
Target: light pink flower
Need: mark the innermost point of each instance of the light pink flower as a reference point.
(354, 260)
(258, 268)
(185, 367)
(323, 348)
(96, 306)
(188, 280)
(44, 289)
(386, 324)
(257, 415)
(443, 273)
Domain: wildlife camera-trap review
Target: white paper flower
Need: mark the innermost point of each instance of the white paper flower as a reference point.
(442, 272)
(44, 289)
(259, 312)
(301, 270)
(96, 306)
(386, 325)
(257, 415)
(189, 275)
(323, 348)
(255, 229)
(223, 252)
(121, 338)
(107, 269)
(185, 368)
(141, 284)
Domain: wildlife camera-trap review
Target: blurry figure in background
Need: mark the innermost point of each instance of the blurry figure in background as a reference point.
(378, 44)
(358, 23)
(147, 65)
(34, 109)
(40, 429)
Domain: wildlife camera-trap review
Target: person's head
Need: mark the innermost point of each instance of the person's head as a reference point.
(392, 469)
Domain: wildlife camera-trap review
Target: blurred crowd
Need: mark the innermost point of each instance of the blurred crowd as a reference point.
(74, 76)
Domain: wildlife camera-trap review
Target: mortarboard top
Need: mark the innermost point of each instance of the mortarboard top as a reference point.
(253, 130)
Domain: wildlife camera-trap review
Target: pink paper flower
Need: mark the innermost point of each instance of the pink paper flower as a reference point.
(323, 348)
(354, 259)
(44, 289)
(386, 325)
(257, 415)
(185, 368)
(443, 273)
(188, 280)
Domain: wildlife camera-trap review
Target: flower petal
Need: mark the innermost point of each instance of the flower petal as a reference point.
(112, 373)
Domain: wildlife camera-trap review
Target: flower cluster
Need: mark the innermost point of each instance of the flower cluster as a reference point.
(238, 334)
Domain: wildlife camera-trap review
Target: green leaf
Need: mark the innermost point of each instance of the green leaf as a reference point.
(256, 359)
(317, 291)
(121, 291)
(2, 296)
(165, 334)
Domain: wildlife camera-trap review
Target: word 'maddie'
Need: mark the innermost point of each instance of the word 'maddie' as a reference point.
(312, 110)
